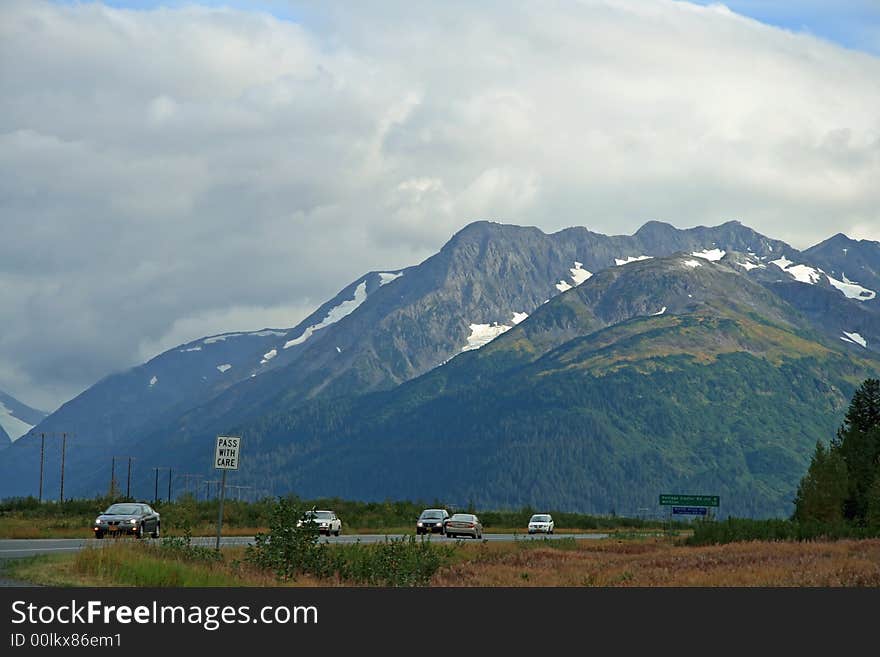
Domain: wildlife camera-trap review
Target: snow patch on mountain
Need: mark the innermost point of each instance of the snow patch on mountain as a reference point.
(749, 266)
(269, 355)
(199, 348)
(335, 314)
(227, 336)
(154, 381)
(14, 427)
(224, 367)
(578, 273)
(712, 255)
(385, 278)
(629, 259)
(221, 338)
(855, 338)
(483, 334)
(801, 273)
(693, 264)
(782, 263)
(805, 274)
(851, 289)
(659, 312)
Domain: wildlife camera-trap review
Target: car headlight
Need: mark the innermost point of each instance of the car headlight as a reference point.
(439, 524)
(418, 524)
(97, 521)
(133, 521)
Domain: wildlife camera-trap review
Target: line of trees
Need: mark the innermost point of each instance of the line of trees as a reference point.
(842, 483)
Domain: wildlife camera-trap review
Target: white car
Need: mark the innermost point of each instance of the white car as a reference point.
(541, 523)
(325, 521)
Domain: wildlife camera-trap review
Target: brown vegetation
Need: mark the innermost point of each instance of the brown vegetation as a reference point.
(660, 563)
(647, 562)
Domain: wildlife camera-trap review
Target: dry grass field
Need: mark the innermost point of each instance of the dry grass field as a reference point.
(640, 562)
(659, 562)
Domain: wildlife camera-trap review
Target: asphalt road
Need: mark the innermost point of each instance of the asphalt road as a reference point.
(25, 547)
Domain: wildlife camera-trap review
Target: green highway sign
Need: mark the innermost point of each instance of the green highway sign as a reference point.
(690, 500)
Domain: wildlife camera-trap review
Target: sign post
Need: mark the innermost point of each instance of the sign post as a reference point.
(226, 457)
(689, 505)
(690, 500)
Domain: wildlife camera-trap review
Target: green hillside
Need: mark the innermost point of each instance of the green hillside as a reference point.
(729, 397)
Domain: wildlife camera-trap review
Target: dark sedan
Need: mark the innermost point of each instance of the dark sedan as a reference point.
(432, 521)
(127, 519)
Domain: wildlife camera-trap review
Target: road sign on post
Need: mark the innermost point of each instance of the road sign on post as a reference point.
(690, 510)
(690, 500)
(226, 457)
(226, 454)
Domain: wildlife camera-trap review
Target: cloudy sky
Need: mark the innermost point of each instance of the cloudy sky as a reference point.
(170, 170)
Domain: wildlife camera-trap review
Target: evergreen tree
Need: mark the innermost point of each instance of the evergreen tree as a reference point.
(823, 491)
(863, 413)
(872, 517)
(858, 442)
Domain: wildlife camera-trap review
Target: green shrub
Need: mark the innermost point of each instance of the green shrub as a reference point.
(745, 529)
(405, 561)
(289, 551)
(182, 548)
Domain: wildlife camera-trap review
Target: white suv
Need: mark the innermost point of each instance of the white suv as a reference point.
(325, 521)
(541, 523)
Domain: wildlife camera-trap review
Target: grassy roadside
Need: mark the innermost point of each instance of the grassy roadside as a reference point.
(126, 564)
(633, 561)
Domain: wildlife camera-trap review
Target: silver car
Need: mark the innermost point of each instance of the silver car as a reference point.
(464, 524)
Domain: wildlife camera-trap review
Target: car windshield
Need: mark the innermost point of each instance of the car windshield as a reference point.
(323, 515)
(463, 516)
(432, 515)
(123, 510)
(540, 519)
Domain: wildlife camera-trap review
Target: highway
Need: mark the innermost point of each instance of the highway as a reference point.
(26, 547)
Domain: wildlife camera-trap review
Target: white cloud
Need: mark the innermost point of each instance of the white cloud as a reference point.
(165, 171)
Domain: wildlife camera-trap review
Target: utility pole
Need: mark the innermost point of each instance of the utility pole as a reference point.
(196, 483)
(208, 484)
(63, 452)
(42, 454)
(156, 488)
(113, 484)
(220, 512)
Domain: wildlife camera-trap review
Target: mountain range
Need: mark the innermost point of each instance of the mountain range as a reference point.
(571, 370)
